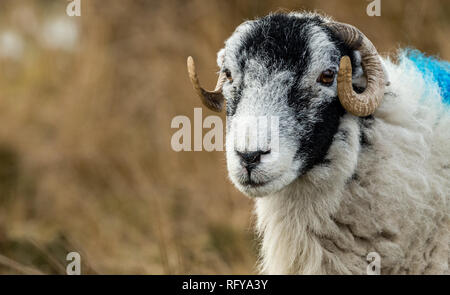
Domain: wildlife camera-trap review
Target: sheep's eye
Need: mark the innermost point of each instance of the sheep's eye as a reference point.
(228, 74)
(326, 77)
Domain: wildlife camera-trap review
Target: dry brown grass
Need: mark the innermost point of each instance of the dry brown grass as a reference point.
(85, 157)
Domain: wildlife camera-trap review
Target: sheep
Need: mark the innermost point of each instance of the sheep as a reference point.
(363, 163)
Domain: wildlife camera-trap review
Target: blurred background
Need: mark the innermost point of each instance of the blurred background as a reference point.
(86, 104)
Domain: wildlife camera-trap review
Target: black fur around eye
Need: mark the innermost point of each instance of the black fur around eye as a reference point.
(228, 74)
(326, 77)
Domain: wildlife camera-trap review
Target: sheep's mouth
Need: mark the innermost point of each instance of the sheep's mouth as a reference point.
(252, 184)
(268, 177)
(253, 179)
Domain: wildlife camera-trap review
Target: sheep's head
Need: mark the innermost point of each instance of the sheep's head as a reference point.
(294, 70)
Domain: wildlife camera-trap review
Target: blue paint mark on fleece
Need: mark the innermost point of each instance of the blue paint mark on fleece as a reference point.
(430, 67)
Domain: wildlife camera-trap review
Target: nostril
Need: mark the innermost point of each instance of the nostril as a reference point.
(255, 158)
(251, 158)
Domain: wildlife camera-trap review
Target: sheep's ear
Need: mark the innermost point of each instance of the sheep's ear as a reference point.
(220, 57)
(359, 80)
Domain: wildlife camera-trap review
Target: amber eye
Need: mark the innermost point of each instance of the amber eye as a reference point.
(228, 74)
(326, 77)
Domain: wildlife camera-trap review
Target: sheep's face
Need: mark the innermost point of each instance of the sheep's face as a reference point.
(282, 104)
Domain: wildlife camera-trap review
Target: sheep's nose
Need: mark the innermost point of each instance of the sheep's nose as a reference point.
(251, 159)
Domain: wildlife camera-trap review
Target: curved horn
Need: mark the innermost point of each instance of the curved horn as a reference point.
(365, 103)
(213, 100)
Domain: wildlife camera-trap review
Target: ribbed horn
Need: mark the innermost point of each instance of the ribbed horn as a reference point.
(213, 100)
(363, 104)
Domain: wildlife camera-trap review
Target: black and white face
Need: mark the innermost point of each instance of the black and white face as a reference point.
(282, 67)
